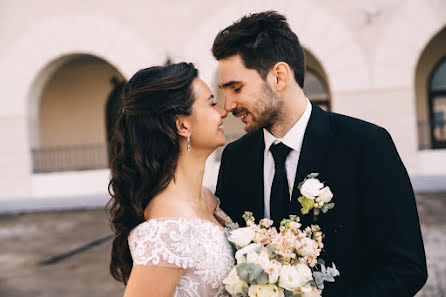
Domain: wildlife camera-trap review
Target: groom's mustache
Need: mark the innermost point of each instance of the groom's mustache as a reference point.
(238, 111)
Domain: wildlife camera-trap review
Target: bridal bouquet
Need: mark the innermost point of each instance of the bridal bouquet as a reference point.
(273, 263)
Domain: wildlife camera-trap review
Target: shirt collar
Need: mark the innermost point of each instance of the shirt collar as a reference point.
(294, 137)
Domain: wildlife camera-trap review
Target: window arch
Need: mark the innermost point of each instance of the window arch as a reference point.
(316, 86)
(437, 104)
(316, 89)
(71, 131)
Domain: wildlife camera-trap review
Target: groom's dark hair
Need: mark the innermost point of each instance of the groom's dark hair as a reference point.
(262, 40)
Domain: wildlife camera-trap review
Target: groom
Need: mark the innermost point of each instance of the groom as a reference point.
(373, 233)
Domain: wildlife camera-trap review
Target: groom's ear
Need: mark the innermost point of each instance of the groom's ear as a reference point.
(281, 74)
(182, 125)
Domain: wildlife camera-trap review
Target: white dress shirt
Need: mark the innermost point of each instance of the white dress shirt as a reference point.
(293, 139)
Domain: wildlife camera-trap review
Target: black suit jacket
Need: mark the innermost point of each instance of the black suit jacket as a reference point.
(373, 233)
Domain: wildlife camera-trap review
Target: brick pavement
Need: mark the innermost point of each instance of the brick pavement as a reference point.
(27, 239)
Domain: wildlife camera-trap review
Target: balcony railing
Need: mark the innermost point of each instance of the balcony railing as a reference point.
(70, 158)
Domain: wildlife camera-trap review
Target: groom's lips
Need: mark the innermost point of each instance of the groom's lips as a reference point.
(242, 116)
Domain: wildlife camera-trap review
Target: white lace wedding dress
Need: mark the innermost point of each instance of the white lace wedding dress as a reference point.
(199, 246)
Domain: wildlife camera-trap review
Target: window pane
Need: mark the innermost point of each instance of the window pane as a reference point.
(314, 87)
(439, 118)
(438, 82)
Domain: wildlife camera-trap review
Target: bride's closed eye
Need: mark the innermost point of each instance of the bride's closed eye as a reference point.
(213, 101)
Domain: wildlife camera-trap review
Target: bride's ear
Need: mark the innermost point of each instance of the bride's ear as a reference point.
(182, 125)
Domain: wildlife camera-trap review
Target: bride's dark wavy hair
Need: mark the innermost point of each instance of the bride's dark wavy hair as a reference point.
(145, 149)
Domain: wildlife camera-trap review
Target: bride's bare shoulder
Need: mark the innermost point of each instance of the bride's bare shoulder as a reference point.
(166, 205)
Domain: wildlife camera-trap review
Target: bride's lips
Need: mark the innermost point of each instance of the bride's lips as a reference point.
(220, 127)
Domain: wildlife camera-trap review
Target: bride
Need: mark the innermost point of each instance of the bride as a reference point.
(169, 235)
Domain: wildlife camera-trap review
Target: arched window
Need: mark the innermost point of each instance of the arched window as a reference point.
(73, 129)
(437, 104)
(316, 89)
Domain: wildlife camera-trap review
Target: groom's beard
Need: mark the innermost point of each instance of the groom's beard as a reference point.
(266, 111)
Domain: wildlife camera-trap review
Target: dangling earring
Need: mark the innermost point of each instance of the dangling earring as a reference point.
(188, 141)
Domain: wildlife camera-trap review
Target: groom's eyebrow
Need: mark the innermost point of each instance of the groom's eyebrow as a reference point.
(228, 84)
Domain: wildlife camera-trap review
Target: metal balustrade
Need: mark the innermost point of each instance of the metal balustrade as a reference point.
(70, 158)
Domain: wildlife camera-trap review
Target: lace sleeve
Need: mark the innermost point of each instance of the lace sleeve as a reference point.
(162, 242)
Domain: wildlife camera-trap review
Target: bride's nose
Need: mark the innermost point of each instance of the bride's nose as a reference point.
(222, 111)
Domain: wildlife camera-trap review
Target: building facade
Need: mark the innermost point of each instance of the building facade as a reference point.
(62, 64)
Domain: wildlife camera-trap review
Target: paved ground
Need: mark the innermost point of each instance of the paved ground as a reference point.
(28, 239)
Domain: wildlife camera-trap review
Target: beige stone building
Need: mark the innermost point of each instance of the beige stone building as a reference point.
(61, 64)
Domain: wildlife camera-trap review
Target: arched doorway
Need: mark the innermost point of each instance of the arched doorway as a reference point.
(430, 91)
(71, 117)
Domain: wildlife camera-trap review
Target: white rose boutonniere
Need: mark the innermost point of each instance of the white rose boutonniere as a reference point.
(325, 195)
(311, 188)
(315, 196)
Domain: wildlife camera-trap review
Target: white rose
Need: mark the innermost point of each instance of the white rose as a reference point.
(305, 273)
(311, 188)
(313, 293)
(265, 291)
(273, 271)
(325, 195)
(240, 254)
(294, 277)
(306, 249)
(233, 284)
(242, 236)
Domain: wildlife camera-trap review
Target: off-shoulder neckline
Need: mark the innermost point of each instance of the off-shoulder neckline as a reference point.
(220, 227)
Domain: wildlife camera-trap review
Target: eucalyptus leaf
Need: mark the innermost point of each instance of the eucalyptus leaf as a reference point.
(243, 271)
(321, 261)
(330, 205)
(291, 294)
(262, 279)
(323, 269)
(319, 280)
(329, 278)
(333, 271)
(271, 248)
(312, 175)
(254, 274)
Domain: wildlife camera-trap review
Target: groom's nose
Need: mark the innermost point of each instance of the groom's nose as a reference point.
(230, 104)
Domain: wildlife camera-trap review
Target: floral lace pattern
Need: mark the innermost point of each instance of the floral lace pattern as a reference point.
(197, 245)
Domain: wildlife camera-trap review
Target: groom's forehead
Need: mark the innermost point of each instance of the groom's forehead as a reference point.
(232, 70)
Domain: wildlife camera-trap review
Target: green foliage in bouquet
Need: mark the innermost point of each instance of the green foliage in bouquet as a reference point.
(326, 274)
(252, 274)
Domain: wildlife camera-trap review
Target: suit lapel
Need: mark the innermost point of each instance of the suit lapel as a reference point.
(259, 199)
(315, 147)
(253, 180)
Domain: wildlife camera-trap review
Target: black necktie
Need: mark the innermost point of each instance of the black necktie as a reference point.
(280, 194)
